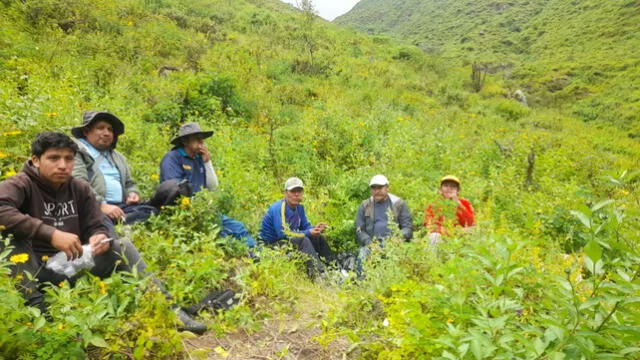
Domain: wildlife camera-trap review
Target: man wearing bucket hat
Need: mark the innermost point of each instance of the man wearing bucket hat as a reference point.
(287, 220)
(436, 215)
(372, 221)
(190, 160)
(107, 170)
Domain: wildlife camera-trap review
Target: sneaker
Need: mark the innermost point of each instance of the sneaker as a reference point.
(188, 324)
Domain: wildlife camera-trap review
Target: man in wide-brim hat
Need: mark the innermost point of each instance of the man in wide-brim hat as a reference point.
(190, 160)
(107, 170)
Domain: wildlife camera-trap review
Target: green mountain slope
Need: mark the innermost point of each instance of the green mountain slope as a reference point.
(550, 271)
(578, 54)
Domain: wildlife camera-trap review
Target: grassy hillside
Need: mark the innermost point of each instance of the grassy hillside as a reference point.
(579, 56)
(550, 271)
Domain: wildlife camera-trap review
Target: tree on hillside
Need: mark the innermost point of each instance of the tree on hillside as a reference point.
(307, 27)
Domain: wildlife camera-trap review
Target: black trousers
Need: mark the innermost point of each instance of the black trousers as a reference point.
(315, 247)
(123, 256)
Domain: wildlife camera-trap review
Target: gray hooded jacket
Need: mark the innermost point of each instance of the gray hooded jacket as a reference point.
(365, 219)
(87, 169)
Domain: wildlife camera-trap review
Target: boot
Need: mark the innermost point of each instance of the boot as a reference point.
(189, 324)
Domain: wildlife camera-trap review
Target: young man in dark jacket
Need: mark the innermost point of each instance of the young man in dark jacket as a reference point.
(46, 211)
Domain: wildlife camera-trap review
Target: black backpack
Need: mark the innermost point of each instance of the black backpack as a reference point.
(215, 300)
(169, 191)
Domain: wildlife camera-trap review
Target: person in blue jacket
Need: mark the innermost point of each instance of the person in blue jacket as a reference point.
(286, 220)
(190, 160)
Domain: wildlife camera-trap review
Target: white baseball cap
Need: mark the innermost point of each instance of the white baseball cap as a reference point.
(379, 180)
(293, 183)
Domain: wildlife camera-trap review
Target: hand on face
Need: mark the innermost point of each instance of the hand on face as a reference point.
(204, 152)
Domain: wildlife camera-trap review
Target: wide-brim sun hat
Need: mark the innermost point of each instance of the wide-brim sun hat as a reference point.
(90, 117)
(190, 129)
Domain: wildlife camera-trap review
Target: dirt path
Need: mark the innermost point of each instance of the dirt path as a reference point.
(289, 336)
(286, 338)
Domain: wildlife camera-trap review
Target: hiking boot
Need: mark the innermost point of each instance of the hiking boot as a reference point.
(188, 324)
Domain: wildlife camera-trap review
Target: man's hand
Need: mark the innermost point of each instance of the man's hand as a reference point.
(112, 211)
(97, 247)
(68, 243)
(318, 229)
(133, 198)
(204, 152)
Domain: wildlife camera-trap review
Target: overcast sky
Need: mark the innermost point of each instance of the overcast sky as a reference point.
(330, 9)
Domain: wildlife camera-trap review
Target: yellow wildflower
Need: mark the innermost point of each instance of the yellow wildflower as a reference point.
(19, 277)
(449, 320)
(155, 176)
(61, 326)
(61, 284)
(45, 258)
(221, 351)
(9, 173)
(19, 258)
(14, 132)
(185, 201)
(103, 288)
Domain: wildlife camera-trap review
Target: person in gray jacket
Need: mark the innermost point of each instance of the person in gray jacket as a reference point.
(106, 170)
(372, 220)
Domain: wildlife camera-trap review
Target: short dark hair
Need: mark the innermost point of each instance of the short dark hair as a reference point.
(52, 139)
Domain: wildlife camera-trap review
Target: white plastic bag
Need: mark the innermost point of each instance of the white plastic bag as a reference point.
(60, 265)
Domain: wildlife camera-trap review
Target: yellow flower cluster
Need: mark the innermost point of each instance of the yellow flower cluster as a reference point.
(10, 133)
(103, 288)
(19, 258)
(185, 201)
(9, 173)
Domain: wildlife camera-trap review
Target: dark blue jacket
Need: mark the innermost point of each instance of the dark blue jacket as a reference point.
(276, 223)
(176, 164)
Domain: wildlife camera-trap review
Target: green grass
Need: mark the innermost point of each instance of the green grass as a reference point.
(360, 105)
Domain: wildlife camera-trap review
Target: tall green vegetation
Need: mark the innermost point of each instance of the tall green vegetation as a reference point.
(578, 56)
(551, 270)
